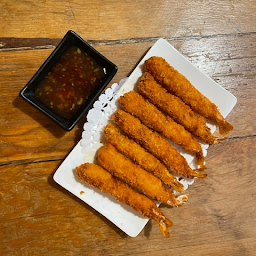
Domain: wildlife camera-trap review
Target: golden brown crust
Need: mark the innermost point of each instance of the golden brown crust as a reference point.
(175, 107)
(155, 144)
(148, 114)
(103, 180)
(120, 166)
(138, 154)
(133, 167)
(176, 83)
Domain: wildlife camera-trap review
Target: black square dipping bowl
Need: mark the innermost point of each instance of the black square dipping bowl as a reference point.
(69, 81)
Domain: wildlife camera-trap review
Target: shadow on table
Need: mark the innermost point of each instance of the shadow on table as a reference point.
(44, 121)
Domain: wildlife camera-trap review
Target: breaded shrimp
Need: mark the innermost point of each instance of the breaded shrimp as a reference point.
(175, 107)
(179, 85)
(139, 155)
(103, 180)
(155, 144)
(109, 158)
(148, 114)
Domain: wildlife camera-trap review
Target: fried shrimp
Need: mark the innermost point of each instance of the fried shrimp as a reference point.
(148, 114)
(140, 156)
(103, 180)
(175, 107)
(179, 85)
(109, 158)
(155, 144)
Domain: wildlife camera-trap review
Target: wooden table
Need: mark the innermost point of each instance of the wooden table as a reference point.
(37, 216)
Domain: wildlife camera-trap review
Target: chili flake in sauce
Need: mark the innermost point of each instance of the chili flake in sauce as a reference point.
(70, 82)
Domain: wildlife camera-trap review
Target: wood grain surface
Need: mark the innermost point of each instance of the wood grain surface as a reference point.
(37, 216)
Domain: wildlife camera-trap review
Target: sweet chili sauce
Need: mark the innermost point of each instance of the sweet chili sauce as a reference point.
(70, 82)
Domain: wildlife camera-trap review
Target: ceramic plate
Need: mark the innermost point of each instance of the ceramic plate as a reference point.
(124, 217)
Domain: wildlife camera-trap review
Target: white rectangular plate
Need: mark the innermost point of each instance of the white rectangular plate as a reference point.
(121, 215)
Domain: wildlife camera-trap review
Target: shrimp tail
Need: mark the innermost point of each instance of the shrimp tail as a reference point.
(198, 173)
(200, 159)
(180, 200)
(177, 186)
(163, 221)
(164, 225)
(225, 127)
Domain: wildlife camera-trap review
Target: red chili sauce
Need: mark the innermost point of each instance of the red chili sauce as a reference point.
(70, 82)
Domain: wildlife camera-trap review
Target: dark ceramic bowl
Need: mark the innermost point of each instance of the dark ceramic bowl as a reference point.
(30, 91)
